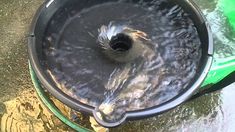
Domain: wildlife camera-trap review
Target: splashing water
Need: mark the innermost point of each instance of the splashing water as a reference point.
(160, 63)
(138, 38)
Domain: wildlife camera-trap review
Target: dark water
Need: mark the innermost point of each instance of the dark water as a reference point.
(162, 61)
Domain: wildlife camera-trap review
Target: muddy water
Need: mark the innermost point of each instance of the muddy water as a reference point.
(211, 113)
(162, 61)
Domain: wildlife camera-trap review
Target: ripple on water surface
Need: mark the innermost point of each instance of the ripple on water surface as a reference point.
(165, 59)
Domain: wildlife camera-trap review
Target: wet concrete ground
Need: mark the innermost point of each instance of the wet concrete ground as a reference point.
(211, 113)
(15, 18)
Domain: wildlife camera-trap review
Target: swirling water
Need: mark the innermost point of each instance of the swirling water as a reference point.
(159, 70)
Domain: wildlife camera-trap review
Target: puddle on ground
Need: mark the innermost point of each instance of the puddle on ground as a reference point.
(26, 113)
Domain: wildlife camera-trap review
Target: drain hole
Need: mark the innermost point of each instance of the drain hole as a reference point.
(121, 42)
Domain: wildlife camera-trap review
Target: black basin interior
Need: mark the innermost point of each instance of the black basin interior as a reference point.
(50, 20)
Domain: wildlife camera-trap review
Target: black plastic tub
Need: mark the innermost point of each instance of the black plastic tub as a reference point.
(40, 25)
